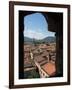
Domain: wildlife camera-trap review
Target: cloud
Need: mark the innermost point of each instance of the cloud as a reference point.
(34, 34)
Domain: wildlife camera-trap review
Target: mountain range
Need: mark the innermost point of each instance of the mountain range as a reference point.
(49, 39)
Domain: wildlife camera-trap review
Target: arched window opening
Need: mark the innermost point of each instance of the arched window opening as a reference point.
(38, 42)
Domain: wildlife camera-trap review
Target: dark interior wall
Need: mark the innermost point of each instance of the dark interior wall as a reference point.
(55, 24)
(59, 41)
(21, 46)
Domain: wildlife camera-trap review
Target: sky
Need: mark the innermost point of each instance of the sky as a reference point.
(36, 26)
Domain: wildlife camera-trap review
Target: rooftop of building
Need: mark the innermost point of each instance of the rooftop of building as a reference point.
(49, 68)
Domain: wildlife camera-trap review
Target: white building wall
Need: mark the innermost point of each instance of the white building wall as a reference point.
(42, 73)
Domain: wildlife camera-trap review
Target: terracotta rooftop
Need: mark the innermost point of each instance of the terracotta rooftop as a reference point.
(39, 58)
(49, 68)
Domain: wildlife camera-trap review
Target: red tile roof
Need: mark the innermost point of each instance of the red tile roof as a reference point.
(49, 68)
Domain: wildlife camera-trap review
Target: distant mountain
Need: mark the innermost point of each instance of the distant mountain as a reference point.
(28, 40)
(49, 39)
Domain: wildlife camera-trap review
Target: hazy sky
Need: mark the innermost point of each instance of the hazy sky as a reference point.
(36, 26)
